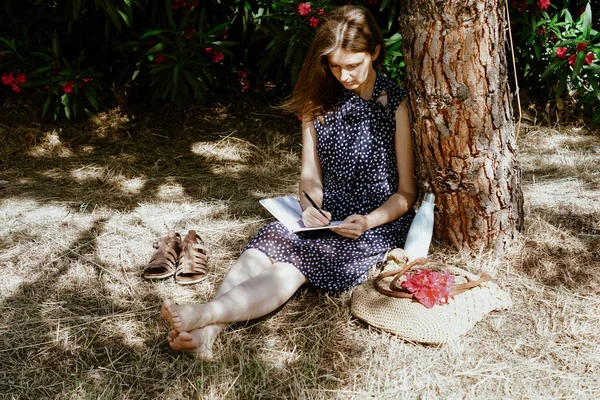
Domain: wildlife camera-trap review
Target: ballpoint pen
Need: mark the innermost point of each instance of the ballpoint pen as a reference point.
(313, 203)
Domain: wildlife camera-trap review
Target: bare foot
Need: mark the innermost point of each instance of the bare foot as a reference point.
(197, 343)
(185, 317)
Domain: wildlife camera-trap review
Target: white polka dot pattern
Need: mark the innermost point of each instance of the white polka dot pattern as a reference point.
(356, 149)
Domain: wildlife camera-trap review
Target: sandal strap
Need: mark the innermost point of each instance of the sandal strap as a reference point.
(166, 255)
(193, 258)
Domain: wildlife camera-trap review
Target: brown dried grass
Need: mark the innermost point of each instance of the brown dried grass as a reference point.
(85, 201)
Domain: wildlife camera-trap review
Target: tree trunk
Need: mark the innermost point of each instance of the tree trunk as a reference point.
(465, 142)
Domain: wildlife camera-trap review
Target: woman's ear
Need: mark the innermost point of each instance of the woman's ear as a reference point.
(376, 53)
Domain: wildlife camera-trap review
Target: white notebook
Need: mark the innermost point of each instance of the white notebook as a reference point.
(287, 210)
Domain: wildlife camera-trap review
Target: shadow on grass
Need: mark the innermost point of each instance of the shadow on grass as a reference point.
(76, 330)
(567, 254)
(118, 161)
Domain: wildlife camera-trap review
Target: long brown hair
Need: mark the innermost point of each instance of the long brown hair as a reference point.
(351, 28)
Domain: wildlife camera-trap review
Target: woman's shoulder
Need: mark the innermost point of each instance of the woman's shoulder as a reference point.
(393, 90)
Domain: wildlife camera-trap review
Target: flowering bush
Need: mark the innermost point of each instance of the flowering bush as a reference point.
(177, 50)
(429, 287)
(557, 51)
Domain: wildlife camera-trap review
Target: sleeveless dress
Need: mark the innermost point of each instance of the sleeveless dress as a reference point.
(355, 145)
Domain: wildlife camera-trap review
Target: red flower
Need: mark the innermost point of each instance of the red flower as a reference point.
(313, 22)
(189, 31)
(543, 4)
(242, 73)
(429, 287)
(572, 60)
(215, 56)
(159, 58)
(245, 84)
(68, 87)
(541, 31)
(86, 80)
(320, 11)
(561, 52)
(7, 78)
(303, 9)
(21, 78)
(14, 82)
(582, 46)
(589, 57)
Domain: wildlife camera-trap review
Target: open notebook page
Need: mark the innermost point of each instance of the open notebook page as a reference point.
(287, 210)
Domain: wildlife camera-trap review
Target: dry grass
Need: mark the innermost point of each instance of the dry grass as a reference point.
(84, 203)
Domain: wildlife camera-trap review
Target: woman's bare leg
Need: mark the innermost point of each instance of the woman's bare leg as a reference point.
(199, 342)
(248, 300)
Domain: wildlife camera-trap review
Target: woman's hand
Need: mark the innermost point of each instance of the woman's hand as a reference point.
(311, 217)
(352, 227)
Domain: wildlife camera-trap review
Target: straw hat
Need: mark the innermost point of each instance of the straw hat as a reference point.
(411, 320)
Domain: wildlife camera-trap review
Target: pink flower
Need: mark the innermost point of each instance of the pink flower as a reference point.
(320, 11)
(543, 4)
(159, 58)
(572, 60)
(21, 78)
(242, 73)
(313, 22)
(429, 287)
(68, 87)
(86, 80)
(589, 58)
(561, 52)
(215, 56)
(7, 78)
(303, 9)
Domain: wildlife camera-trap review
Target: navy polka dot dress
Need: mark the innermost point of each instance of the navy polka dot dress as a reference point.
(355, 145)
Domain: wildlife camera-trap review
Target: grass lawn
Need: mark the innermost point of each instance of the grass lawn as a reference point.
(85, 201)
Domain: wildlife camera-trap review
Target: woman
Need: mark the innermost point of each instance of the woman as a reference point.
(357, 165)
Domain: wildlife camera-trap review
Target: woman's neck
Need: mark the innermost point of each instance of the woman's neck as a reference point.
(365, 91)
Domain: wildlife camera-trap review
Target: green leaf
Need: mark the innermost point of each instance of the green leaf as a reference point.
(567, 42)
(176, 73)
(56, 47)
(156, 48)
(538, 51)
(47, 104)
(152, 33)
(125, 18)
(65, 102)
(562, 84)
(91, 98)
(552, 67)
(578, 65)
(594, 83)
(587, 21)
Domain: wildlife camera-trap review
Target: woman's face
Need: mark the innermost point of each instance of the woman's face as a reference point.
(351, 69)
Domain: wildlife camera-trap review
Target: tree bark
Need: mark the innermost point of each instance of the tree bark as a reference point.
(464, 136)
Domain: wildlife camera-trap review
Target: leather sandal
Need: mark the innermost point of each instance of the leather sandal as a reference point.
(193, 260)
(163, 261)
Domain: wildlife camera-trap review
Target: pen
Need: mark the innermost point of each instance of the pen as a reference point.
(313, 203)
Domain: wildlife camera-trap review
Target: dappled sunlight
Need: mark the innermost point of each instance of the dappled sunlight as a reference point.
(172, 191)
(51, 146)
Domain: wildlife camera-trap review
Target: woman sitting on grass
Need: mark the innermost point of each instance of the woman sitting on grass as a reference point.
(357, 163)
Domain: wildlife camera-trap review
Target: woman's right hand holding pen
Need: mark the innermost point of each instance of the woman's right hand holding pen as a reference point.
(313, 218)
(313, 215)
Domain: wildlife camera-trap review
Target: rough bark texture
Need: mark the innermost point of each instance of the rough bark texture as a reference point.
(465, 144)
